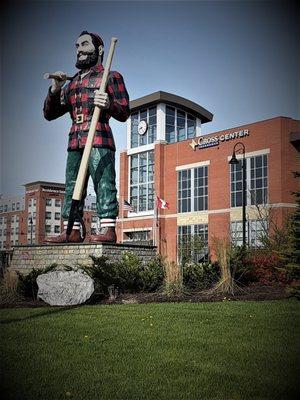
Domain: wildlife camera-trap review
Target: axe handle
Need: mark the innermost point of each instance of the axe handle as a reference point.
(48, 75)
(77, 193)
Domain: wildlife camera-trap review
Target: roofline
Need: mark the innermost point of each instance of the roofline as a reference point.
(174, 100)
(247, 124)
(43, 183)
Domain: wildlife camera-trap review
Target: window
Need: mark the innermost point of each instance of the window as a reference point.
(148, 115)
(13, 206)
(34, 215)
(1, 208)
(179, 125)
(48, 215)
(57, 203)
(1, 220)
(34, 202)
(256, 181)
(94, 218)
(17, 230)
(259, 179)
(57, 215)
(192, 243)
(0, 232)
(93, 231)
(94, 207)
(18, 206)
(142, 181)
(12, 231)
(137, 236)
(48, 202)
(17, 218)
(48, 228)
(193, 190)
(4, 232)
(257, 229)
(56, 229)
(184, 191)
(5, 208)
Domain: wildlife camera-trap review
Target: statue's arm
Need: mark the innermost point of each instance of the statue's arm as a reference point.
(55, 105)
(119, 99)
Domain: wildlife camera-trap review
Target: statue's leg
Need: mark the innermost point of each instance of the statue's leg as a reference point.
(72, 167)
(102, 171)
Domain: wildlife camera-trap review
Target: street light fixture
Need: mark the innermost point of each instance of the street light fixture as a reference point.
(235, 161)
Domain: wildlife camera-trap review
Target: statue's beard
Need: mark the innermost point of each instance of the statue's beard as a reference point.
(90, 61)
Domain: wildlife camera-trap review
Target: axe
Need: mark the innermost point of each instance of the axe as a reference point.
(81, 177)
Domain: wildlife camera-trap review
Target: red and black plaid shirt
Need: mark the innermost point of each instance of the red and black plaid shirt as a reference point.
(77, 98)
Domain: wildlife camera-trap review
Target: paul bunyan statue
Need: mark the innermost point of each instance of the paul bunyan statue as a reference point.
(79, 98)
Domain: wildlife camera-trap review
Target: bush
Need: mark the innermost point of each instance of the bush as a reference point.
(128, 275)
(27, 285)
(152, 275)
(263, 266)
(200, 276)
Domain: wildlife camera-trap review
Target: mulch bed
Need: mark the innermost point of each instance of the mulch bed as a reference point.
(248, 293)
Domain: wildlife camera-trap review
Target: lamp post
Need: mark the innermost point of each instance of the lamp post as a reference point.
(235, 161)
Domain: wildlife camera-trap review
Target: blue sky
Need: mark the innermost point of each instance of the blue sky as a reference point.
(238, 59)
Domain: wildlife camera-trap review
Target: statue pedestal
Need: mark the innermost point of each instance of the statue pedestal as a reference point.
(25, 258)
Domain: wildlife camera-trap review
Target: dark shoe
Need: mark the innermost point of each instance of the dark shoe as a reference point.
(106, 235)
(74, 237)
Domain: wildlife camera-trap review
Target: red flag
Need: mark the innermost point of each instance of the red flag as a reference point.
(162, 203)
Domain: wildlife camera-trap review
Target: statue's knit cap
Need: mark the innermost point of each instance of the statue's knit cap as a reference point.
(97, 39)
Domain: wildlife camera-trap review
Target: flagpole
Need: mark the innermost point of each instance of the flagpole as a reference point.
(158, 226)
(154, 220)
(122, 221)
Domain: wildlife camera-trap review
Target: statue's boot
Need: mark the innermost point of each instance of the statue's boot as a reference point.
(107, 234)
(75, 237)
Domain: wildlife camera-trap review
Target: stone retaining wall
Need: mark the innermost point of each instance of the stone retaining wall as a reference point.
(25, 258)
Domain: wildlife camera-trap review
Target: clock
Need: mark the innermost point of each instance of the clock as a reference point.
(142, 127)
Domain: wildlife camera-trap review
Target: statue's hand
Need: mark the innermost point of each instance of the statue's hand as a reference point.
(101, 99)
(57, 84)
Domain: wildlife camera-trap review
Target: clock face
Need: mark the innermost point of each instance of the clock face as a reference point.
(142, 127)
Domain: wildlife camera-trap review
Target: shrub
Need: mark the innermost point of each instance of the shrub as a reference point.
(152, 275)
(127, 275)
(200, 276)
(27, 285)
(265, 267)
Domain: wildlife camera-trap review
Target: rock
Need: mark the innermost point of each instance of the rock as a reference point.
(65, 288)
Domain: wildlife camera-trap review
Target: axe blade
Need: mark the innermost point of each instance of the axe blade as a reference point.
(74, 216)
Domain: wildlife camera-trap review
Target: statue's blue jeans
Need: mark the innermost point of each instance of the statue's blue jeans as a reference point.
(101, 168)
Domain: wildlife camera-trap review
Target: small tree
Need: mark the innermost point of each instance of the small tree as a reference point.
(294, 263)
(192, 249)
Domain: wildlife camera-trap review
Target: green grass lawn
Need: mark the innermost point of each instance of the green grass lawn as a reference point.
(227, 350)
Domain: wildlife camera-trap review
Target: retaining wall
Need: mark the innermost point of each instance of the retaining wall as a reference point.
(25, 258)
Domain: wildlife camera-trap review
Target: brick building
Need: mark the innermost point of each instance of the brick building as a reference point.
(30, 218)
(168, 156)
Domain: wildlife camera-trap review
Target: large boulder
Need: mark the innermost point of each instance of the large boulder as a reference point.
(65, 288)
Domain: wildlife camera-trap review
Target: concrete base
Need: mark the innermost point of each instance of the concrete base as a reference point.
(25, 258)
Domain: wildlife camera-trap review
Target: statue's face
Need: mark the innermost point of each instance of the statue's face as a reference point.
(87, 54)
(84, 47)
